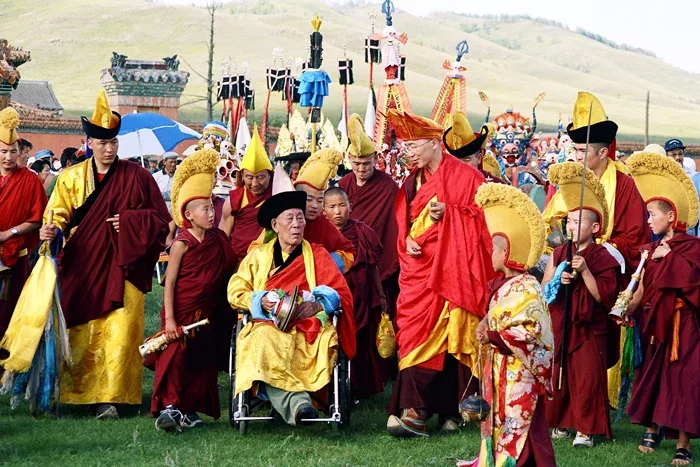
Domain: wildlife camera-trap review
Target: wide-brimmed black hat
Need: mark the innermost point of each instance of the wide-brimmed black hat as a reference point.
(277, 204)
(294, 156)
(601, 132)
(98, 132)
(461, 134)
(471, 148)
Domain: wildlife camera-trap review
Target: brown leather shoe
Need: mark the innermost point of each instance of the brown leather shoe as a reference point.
(410, 425)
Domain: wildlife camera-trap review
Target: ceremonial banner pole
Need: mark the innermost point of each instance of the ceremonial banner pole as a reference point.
(567, 290)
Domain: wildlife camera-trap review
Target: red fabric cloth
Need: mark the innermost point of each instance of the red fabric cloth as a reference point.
(97, 260)
(327, 273)
(374, 204)
(630, 229)
(322, 232)
(218, 203)
(489, 178)
(667, 392)
(370, 371)
(22, 199)
(245, 226)
(455, 262)
(538, 450)
(185, 372)
(580, 404)
(20, 274)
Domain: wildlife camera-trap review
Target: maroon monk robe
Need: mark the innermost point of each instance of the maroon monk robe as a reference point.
(218, 203)
(582, 403)
(97, 259)
(245, 224)
(373, 204)
(22, 199)
(489, 178)
(327, 273)
(322, 232)
(370, 371)
(185, 372)
(666, 392)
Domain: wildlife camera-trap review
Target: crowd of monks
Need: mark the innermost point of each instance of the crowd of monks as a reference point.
(447, 257)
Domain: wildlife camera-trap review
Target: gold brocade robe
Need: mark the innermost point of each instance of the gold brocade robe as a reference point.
(107, 366)
(284, 360)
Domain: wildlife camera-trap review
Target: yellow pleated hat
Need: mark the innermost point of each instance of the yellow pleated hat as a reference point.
(319, 169)
(460, 140)
(9, 121)
(194, 179)
(255, 159)
(511, 214)
(490, 164)
(602, 129)
(104, 123)
(361, 145)
(663, 179)
(567, 176)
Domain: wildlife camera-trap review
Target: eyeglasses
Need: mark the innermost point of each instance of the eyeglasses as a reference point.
(410, 148)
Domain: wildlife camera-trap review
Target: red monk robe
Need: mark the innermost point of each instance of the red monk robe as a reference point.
(185, 372)
(22, 199)
(454, 268)
(666, 392)
(245, 224)
(630, 230)
(582, 402)
(374, 204)
(97, 260)
(322, 232)
(370, 371)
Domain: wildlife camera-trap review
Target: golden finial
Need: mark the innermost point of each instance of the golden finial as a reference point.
(316, 23)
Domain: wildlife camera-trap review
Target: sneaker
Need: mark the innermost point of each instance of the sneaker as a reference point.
(560, 433)
(107, 411)
(583, 441)
(305, 411)
(169, 419)
(191, 420)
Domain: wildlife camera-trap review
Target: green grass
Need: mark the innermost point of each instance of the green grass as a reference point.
(77, 439)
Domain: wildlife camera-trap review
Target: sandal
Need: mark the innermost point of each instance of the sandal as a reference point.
(651, 441)
(682, 454)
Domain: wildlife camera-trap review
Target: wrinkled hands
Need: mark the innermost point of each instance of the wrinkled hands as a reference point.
(48, 233)
(412, 247)
(482, 331)
(309, 309)
(437, 211)
(268, 305)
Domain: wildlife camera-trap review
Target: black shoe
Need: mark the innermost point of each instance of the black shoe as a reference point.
(169, 419)
(191, 420)
(306, 411)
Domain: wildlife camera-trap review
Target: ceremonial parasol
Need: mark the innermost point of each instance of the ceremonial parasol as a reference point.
(151, 133)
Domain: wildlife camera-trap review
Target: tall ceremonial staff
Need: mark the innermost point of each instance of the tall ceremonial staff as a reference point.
(313, 82)
(567, 290)
(276, 80)
(346, 79)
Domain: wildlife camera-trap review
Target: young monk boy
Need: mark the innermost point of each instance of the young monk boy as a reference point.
(370, 371)
(580, 399)
(201, 260)
(667, 306)
(518, 331)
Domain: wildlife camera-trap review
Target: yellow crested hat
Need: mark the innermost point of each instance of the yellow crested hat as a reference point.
(460, 140)
(194, 179)
(660, 178)
(255, 159)
(361, 145)
(490, 164)
(567, 176)
(602, 129)
(9, 121)
(319, 169)
(410, 127)
(104, 123)
(511, 214)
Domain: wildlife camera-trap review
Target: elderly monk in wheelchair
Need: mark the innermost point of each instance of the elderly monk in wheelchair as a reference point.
(285, 366)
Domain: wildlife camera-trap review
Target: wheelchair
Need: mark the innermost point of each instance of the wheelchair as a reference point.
(337, 408)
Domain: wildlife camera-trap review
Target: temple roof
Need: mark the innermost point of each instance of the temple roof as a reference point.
(147, 71)
(37, 95)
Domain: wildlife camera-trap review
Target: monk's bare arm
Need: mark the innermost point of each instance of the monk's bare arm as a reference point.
(23, 229)
(548, 271)
(226, 223)
(177, 251)
(591, 285)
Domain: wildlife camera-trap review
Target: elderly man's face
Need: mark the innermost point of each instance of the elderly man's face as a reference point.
(289, 227)
(474, 160)
(677, 155)
(256, 183)
(170, 165)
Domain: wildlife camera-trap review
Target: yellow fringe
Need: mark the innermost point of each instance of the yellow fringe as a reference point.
(676, 329)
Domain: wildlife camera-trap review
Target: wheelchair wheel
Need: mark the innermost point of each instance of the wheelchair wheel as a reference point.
(232, 376)
(344, 398)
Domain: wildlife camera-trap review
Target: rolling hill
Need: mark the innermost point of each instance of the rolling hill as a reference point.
(511, 59)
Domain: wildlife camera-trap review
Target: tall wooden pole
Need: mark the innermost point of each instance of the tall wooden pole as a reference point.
(646, 125)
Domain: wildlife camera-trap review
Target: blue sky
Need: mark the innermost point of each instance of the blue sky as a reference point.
(668, 28)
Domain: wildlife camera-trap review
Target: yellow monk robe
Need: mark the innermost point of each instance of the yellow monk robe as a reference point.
(302, 358)
(104, 275)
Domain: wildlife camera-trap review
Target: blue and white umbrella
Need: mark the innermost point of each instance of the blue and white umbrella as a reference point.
(150, 133)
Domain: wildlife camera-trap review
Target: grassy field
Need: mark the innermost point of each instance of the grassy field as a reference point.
(77, 439)
(71, 41)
